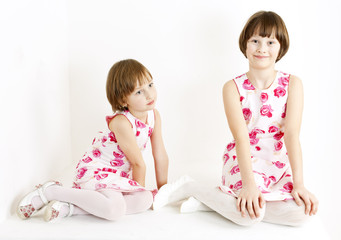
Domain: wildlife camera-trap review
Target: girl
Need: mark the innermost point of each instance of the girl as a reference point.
(262, 171)
(110, 178)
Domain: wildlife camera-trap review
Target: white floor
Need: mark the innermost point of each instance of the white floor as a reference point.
(167, 223)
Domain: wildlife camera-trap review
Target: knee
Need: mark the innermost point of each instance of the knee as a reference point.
(146, 201)
(247, 221)
(115, 211)
(297, 217)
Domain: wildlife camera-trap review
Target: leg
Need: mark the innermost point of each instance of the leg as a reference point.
(213, 198)
(107, 204)
(223, 204)
(137, 202)
(285, 213)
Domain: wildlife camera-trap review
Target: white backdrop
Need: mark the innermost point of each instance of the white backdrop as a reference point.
(191, 49)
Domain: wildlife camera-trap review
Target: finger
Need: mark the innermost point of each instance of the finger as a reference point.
(250, 206)
(261, 201)
(307, 203)
(238, 204)
(315, 204)
(311, 207)
(256, 208)
(297, 198)
(243, 207)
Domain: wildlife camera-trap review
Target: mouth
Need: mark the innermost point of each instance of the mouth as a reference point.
(261, 57)
(150, 103)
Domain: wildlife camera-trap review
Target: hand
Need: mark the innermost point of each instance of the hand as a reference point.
(250, 199)
(302, 195)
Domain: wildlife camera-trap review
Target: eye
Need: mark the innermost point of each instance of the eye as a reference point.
(138, 92)
(151, 84)
(254, 41)
(271, 43)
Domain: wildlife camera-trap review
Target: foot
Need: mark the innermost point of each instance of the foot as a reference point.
(162, 198)
(57, 210)
(26, 208)
(193, 205)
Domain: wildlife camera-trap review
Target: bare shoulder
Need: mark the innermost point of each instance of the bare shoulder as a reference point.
(295, 81)
(230, 90)
(119, 122)
(229, 86)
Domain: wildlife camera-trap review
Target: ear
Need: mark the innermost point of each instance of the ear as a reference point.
(123, 103)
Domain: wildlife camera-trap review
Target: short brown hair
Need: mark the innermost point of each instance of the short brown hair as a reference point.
(122, 80)
(265, 23)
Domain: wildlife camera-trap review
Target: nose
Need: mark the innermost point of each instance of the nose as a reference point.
(261, 47)
(148, 94)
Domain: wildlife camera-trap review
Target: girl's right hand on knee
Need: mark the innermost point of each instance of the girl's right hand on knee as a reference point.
(250, 200)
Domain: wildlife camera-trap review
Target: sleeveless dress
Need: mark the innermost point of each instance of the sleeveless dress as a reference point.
(104, 165)
(264, 113)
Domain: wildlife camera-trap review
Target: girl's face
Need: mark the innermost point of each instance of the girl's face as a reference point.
(142, 99)
(262, 52)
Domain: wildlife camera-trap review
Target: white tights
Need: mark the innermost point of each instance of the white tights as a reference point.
(107, 203)
(279, 212)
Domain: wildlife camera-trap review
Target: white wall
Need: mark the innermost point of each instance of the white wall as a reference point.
(34, 97)
(191, 48)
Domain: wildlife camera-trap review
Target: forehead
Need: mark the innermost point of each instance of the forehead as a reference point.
(142, 80)
(265, 30)
(258, 34)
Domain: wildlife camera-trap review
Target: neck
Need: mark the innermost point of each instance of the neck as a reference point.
(261, 78)
(142, 116)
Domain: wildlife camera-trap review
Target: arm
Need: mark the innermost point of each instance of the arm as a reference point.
(127, 142)
(293, 121)
(159, 153)
(249, 196)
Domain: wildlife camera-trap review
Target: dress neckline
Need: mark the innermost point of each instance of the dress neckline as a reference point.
(135, 118)
(265, 89)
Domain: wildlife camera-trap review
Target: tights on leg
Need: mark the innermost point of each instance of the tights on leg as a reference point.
(107, 204)
(285, 213)
(225, 205)
(278, 212)
(215, 199)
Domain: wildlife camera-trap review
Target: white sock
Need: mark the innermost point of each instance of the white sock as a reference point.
(193, 205)
(172, 192)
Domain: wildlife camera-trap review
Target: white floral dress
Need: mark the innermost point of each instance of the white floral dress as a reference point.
(104, 165)
(264, 113)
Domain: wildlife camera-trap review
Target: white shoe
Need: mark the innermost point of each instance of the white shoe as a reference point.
(162, 197)
(193, 205)
(52, 211)
(25, 208)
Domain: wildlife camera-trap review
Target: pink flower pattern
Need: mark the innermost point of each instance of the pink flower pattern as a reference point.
(96, 153)
(264, 114)
(264, 97)
(247, 85)
(266, 110)
(105, 166)
(247, 114)
(112, 137)
(280, 92)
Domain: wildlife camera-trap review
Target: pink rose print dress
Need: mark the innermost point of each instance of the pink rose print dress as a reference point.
(264, 113)
(104, 165)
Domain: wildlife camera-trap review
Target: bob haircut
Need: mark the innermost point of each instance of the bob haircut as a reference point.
(264, 24)
(122, 80)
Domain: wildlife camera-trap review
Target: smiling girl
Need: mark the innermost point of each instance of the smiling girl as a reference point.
(262, 177)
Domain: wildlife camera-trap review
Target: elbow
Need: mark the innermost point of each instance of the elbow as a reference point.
(291, 137)
(138, 166)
